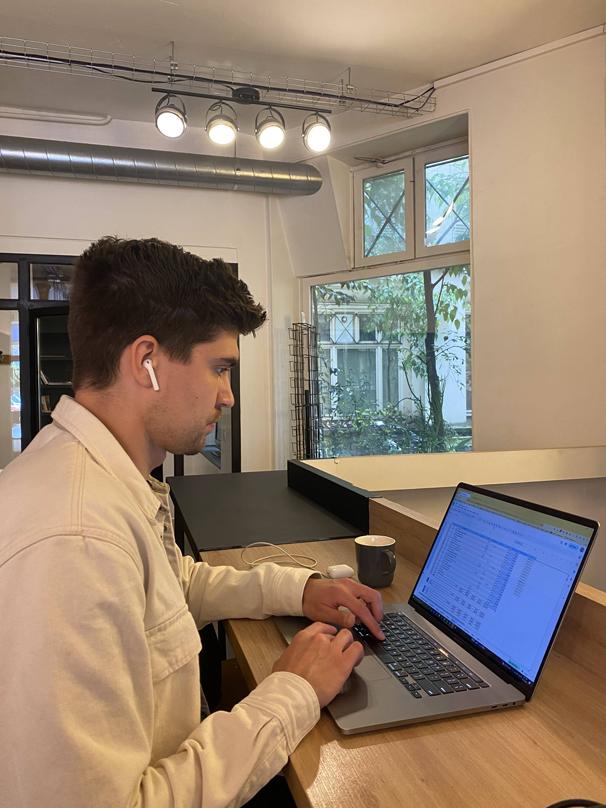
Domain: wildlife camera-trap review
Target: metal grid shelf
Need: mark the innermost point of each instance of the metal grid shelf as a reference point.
(304, 391)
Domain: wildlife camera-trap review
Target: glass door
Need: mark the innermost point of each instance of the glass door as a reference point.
(52, 361)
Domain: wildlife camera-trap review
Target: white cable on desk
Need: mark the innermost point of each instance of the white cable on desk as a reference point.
(279, 555)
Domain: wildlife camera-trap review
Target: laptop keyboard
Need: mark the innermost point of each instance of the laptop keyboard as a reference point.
(417, 660)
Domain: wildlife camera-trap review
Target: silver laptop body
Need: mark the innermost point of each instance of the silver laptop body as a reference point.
(490, 599)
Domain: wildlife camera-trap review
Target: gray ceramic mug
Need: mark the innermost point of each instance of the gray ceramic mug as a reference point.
(376, 560)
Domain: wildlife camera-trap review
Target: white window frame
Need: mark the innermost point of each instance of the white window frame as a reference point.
(405, 165)
(438, 261)
(422, 159)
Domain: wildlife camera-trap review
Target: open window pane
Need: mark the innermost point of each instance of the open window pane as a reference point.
(384, 214)
(409, 391)
(447, 201)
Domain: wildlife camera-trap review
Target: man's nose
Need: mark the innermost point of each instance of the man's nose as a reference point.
(226, 396)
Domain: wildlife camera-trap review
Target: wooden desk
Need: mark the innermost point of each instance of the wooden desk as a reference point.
(551, 749)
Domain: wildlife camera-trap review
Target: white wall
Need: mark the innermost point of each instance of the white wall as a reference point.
(537, 132)
(317, 227)
(46, 215)
(537, 140)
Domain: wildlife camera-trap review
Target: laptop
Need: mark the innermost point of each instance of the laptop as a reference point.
(481, 618)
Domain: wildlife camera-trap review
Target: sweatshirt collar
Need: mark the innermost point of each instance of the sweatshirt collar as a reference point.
(105, 449)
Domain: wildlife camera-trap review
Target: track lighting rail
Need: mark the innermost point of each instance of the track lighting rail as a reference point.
(234, 100)
(89, 62)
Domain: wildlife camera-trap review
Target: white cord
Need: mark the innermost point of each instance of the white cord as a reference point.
(294, 557)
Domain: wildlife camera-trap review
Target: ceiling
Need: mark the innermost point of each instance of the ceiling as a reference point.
(396, 45)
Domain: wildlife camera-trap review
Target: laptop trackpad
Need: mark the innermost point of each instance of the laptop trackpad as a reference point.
(371, 669)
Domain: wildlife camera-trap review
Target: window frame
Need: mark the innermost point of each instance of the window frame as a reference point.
(406, 165)
(421, 160)
(431, 262)
(437, 261)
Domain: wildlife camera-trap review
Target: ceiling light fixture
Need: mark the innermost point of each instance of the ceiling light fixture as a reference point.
(171, 118)
(316, 132)
(222, 127)
(270, 130)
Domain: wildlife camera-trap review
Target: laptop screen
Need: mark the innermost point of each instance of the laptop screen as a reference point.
(501, 573)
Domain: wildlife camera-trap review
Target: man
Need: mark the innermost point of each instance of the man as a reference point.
(99, 684)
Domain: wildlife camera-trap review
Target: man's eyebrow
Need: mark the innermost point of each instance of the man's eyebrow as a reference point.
(226, 360)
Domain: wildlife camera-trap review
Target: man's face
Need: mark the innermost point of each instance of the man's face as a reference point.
(192, 395)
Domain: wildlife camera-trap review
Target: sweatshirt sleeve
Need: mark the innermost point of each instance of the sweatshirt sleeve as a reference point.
(80, 704)
(233, 754)
(220, 593)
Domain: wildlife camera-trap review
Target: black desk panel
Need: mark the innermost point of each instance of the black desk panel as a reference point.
(220, 511)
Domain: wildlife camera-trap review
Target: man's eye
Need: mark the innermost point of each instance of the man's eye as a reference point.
(221, 371)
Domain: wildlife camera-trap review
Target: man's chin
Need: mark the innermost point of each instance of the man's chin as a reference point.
(190, 448)
(193, 449)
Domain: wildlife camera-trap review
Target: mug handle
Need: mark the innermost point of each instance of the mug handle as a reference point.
(390, 557)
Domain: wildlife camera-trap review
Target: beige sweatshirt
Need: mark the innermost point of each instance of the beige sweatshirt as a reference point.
(99, 679)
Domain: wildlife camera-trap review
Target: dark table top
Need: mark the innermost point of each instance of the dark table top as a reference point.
(220, 511)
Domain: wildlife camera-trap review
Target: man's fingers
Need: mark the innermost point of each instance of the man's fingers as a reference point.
(318, 628)
(354, 654)
(371, 597)
(346, 618)
(363, 613)
(352, 650)
(344, 639)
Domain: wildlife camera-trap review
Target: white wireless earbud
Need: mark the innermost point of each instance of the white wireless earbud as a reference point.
(147, 364)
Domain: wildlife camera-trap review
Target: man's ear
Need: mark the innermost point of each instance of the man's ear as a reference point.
(143, 360)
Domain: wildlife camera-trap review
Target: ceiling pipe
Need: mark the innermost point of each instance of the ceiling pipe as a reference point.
(119, 164)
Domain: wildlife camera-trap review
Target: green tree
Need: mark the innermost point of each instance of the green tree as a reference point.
(412, 312)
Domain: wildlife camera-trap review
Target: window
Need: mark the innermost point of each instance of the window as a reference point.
(443, 203)
(409, 391)
(395, 340)
(383, 212)
(447, 202)
(367, 330)
(51, 281)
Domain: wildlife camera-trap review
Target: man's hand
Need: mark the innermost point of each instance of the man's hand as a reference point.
(321, 601)
(323, 657)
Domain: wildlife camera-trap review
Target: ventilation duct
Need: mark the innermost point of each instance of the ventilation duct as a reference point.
(119, 164)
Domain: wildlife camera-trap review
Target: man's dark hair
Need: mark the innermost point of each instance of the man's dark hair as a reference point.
(126, 288)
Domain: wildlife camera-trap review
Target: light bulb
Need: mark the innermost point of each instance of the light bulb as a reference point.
(171, 119)
(170, 124)
(271, 135)
(221, 123)
(270, 128)
(222, 132)
(317, 136)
